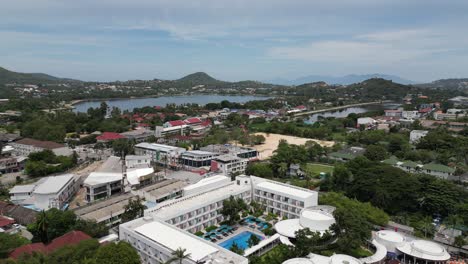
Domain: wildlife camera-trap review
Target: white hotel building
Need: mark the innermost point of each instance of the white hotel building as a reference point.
(199, 208)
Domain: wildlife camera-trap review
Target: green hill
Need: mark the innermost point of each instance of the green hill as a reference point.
(7, 76)
(199, 78)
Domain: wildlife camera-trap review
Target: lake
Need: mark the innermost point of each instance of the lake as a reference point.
(131, 103)
(351, 110)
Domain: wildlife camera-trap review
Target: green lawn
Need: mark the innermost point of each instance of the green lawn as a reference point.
(315, 169)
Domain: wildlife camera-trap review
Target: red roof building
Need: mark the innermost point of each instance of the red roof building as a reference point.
(176, 123)
(28, 249)
(70, 238)
(108, 136)
(4, 221)
(192, 121)
(425, 110)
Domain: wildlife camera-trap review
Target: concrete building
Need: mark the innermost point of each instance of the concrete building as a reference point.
(156, 240)
(317, 219)
(241, 152)
(410, 114)
(459, 100)
(229, 164)
(164, 227)
(162, 154)
(162, 131)
(26, 146)
(161, 191)
(48, 192)
(282, 199)
(139, 135)
(197, 158)
(136, 161)
(416, 135)
(108, 211)
(12, 164)
(105, 181)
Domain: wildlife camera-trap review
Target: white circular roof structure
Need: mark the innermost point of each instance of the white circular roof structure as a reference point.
(390, 239)
(344, 259)
(315, 220)
(298, 261)
(424, 249)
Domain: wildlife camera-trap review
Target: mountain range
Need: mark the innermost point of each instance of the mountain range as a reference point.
(198, 78)
(342, 80)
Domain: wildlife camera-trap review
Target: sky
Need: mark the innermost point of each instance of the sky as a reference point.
(107, 40)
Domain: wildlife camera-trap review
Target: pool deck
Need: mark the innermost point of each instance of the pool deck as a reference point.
(240, 230)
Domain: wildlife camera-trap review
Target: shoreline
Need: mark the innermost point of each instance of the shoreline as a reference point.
(78, 101)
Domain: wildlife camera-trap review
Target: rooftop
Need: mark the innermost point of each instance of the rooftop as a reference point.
(136, 157)
(227, 158)
(438, 167)
(198, 153)
(103, 209)
(109, 136)
(164, 187)
(172, 208)
(39, 143)
(159, 147)
(133, 175)
(53, 184)
(424, 249)
(285, 190)
(164, 235)
(22, 188)
(199, 249)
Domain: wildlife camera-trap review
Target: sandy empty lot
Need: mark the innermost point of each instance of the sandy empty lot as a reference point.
(272, 140)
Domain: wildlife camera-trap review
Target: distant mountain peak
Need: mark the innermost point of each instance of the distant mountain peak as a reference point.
(342, 80)
(199, 78)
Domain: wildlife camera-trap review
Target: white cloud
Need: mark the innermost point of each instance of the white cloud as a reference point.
(374, 48)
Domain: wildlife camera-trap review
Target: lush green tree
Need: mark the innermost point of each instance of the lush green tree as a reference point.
(352, 229)
(237, 249)
(259, 169)
(121, 252)
(8, 242)
(74, 254)
(133, 210)
(92, 228)
(178, 256)
(122, 147)
(231, 209)
(253, 240)
(376, 152)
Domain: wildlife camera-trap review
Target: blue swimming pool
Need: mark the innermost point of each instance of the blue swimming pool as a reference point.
(240, 239)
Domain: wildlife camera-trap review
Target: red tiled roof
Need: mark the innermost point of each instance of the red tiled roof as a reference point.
(206, 123)
(109, 136)
(144, 125)
(176, 123)
(158, 107)
(28, 249)
(138, 119)
(301, 107)
(39, 143)
(192, 120)
(425, 110)
(70, 238)
(5, 221)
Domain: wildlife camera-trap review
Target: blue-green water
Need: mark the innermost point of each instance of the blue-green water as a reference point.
(240, 239)
(130, 103)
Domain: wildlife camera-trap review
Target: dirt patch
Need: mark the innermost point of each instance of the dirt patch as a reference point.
(272, 140)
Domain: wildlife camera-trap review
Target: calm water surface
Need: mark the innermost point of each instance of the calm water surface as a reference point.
(129, 104)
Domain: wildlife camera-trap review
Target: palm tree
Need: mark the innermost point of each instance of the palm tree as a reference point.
(282, 169)
(178, 255)
(427, 225)
(42, 226)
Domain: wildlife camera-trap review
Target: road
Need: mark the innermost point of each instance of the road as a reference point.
(10, 178)
(338, 108)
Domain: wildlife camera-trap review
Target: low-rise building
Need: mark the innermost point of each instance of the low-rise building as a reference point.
(197, 158)
(138, 135)
(416, 135)
(163, 190)
(393, 112)
(161, 154)
(26, 146)
(108, 137)
(410, 114)
(229, 164)
(108, 211)
(12, 164)
(105, 181)
(156, 241)
(347, 154)
(137, 161)
(48, 192)
(241, 152)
